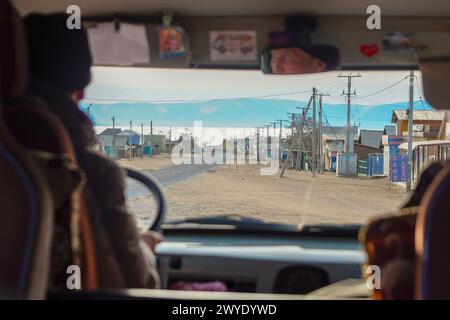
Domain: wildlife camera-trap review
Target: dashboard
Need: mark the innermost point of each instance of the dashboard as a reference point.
(261, 262)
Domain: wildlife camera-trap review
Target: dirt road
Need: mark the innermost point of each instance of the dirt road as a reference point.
(296, 198)
(173, 174)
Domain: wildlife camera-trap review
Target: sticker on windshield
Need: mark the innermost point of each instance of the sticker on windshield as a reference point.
(171, 42)
(233, 45)
(395, 41)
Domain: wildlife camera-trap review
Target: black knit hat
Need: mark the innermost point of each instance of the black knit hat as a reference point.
(58, 55)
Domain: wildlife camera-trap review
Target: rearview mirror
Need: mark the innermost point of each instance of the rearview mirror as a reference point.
(299, 59)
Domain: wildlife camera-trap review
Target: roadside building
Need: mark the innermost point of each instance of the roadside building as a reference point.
(390, 130)
(427, 124)
(430, 138)
(370, 152)
(132, 137)
(333, 142)
(157, 142)
(111, 143)
(169, 145)
(106, 137)
(132, 147)
(370, 138)
(363, 151)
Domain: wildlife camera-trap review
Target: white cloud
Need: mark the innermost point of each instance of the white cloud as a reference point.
(162, 109)
(208, 109)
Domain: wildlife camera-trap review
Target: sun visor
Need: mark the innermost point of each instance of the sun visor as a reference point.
(436, 82)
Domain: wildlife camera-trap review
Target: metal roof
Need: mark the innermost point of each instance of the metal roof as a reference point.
(370, 138)
(390, 130)
(128, 133)
(430, 115)
(110, 132)
(338, 133)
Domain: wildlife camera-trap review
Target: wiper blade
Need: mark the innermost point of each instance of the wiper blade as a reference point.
(238, 221)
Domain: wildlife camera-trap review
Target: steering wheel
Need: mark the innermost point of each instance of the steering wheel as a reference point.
(155, 189)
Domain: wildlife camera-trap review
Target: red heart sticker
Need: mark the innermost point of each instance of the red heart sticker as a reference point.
(369, 50)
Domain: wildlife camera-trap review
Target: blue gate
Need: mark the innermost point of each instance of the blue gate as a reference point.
(375, 164)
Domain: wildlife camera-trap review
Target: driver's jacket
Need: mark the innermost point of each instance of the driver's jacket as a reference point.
(123, 260)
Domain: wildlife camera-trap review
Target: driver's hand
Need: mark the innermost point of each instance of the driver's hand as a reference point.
(151, 238)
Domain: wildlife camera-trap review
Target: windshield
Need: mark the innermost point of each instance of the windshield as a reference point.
(313, 149)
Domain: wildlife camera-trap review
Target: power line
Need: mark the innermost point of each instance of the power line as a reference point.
(356, 116)
(329, 125)
(333, 84)
(198, 100)
(384, 89)
(420, 93)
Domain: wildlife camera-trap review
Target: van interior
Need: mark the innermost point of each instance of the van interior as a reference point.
(308, 231)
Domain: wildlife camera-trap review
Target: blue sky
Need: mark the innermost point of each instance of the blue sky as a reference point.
(177, 97)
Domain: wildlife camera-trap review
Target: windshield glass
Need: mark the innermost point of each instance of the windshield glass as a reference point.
(314, 149)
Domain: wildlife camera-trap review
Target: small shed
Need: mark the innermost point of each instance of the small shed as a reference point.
(370, 138)
(133, 138)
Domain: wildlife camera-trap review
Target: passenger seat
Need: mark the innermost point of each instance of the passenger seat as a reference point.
(432, 240)
(27, 212)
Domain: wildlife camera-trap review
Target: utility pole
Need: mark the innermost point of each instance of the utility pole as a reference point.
(271, 138)
(294, 140)
(142, 140)
(293, 115)
(280, 137)
(320, 140)
(170, 133)
(151, 135)
(348, 127)
(257, 145)
(281, 127)
(298, 165)
(293, 124)
(300, 143)
(274, 128)
(410, 128)
(314, 135)
(114, 137)
(129, 138)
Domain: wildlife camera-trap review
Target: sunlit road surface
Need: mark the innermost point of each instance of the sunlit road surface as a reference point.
(170, 175)
(166, 177)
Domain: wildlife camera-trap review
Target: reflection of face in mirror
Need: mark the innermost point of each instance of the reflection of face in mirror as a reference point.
(294, 61)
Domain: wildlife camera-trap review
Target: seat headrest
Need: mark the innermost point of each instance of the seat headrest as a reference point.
(433, 221)
(13, 56)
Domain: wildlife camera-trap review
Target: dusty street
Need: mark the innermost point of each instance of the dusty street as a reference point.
(148, 163)
(296, 198)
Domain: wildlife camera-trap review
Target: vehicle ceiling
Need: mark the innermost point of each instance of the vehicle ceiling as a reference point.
(407, 8)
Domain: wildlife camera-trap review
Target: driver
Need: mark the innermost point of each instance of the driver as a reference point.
(294, 61)
(60, 63)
